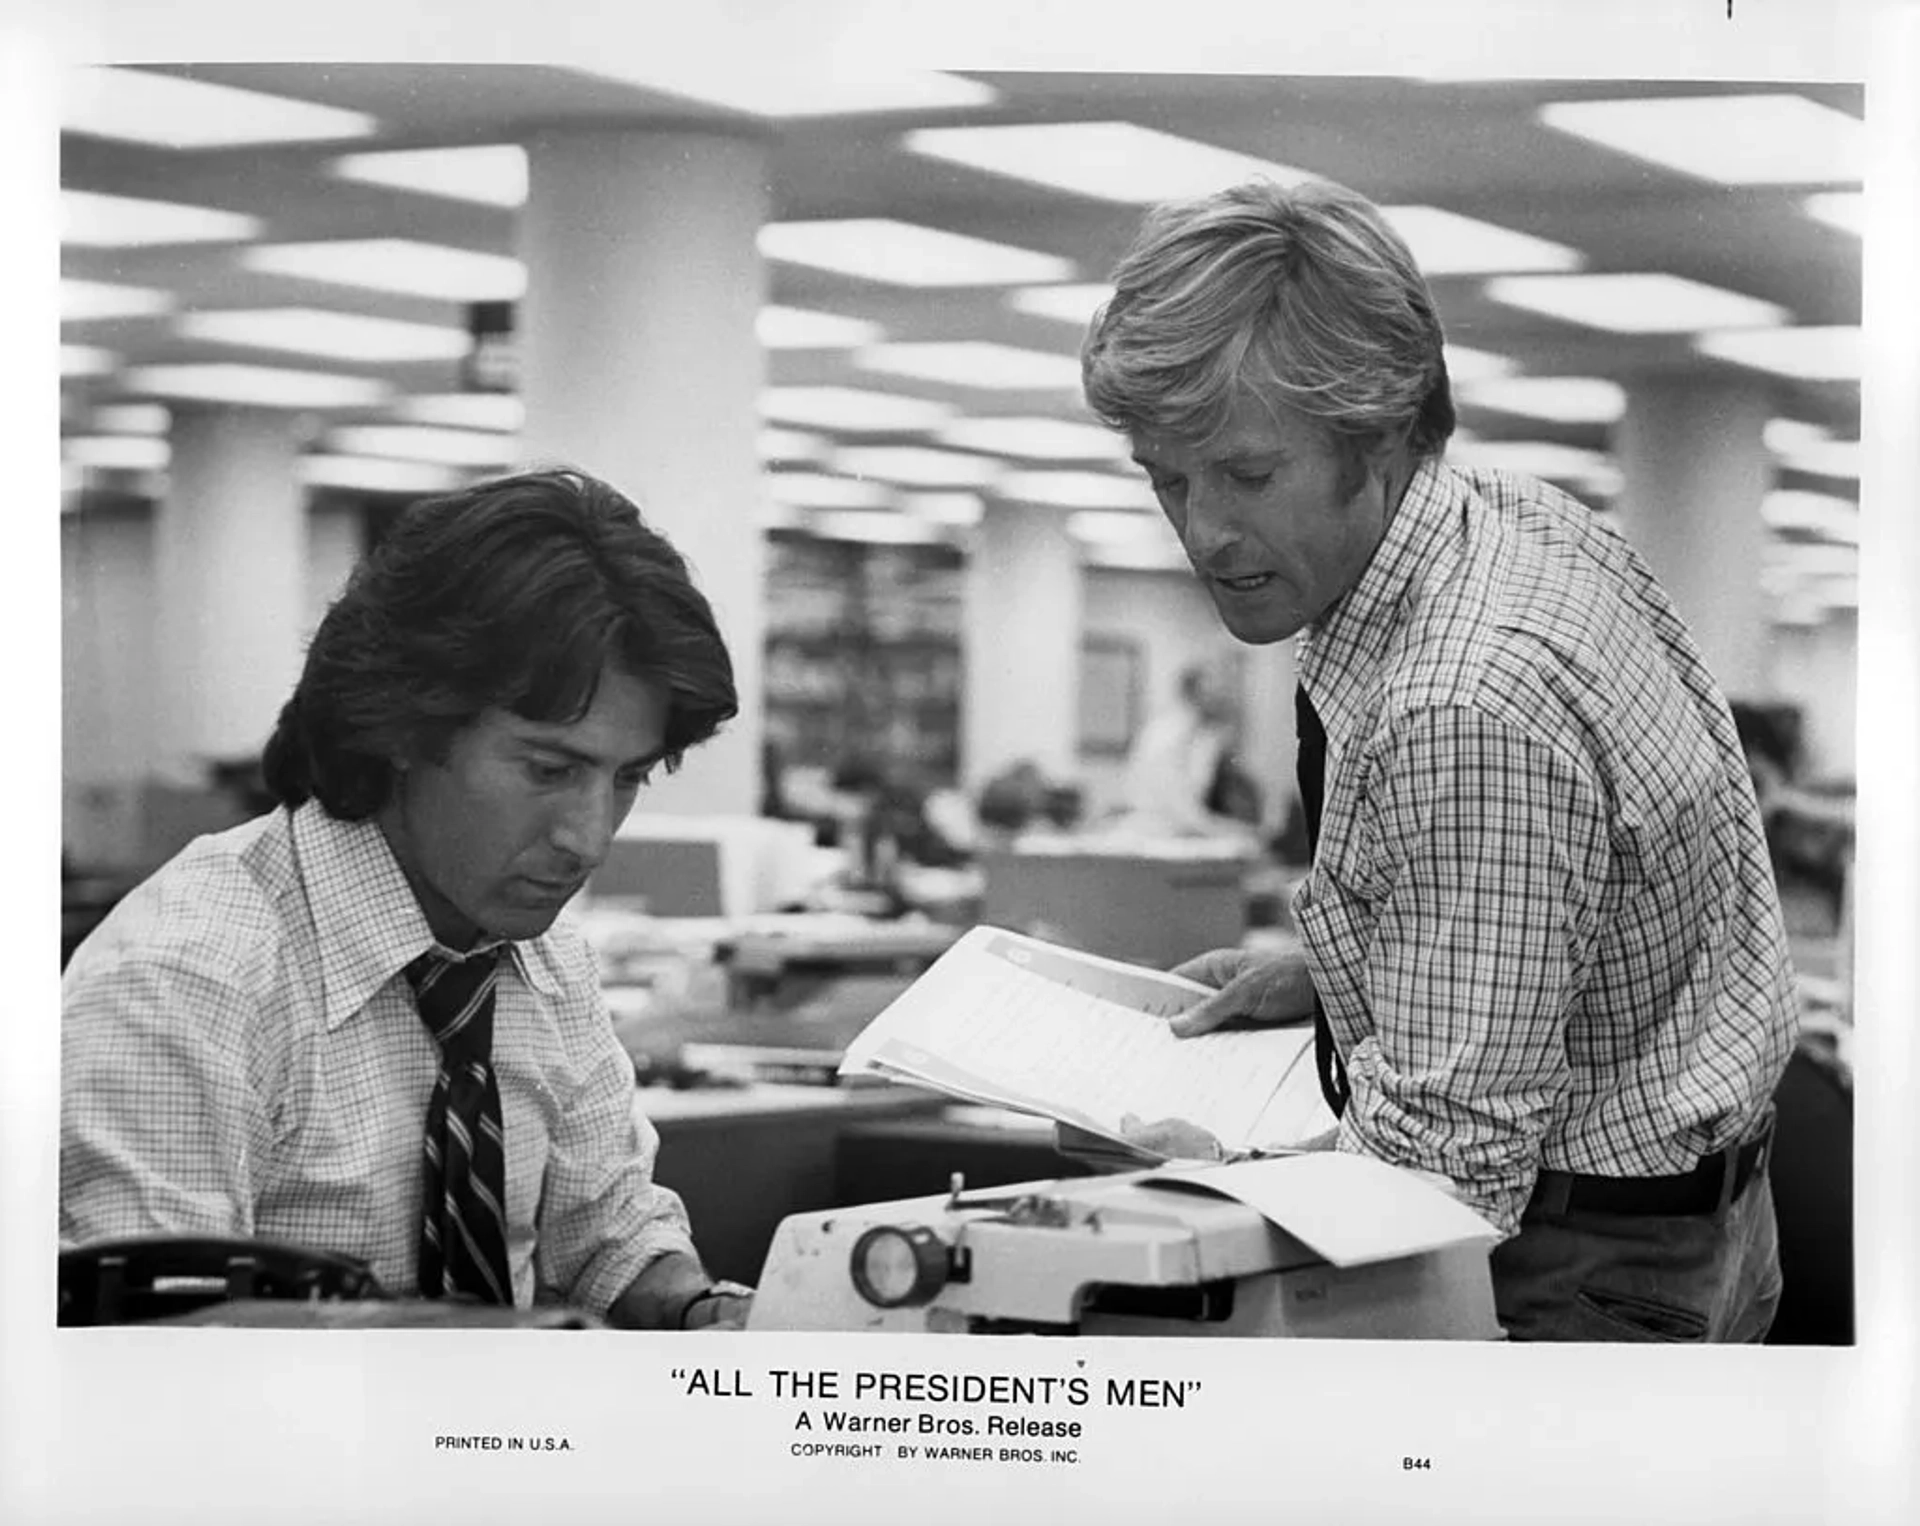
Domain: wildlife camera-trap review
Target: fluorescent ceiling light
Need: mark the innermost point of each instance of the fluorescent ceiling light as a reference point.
(117, 452)
(1115, 161)
(1079, 490)
(339, 336)
(780, 516)
(1447, 244)
(131, 418)
(81, 301)
(1773, 139)
(813, 490)
(1809, 448)
(792, 328)
(491, 174)
(95, 220)
(853, 410)
(975, 363)
(906, 254)
(884, 527)
(1642, 303)
(1836, 458)
(1111, 526)
(397, 264)
(1813, 558)
(171, 112)
(1812, 513)
(1841, 209)
(772, 86)
(375, 475)
(1817, 354)
(1785, 436)
(86, 360)
(957, 510)
(916, 466)
(501, 412)
(1565, 399)
(1540, 458)
(424, 442)
(1076, 302)
(1039, 439)
(1134, 556)
(1470, 365)
(262, 386)
(790, 445)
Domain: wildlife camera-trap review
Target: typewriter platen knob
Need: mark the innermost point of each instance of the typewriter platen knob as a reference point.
(893, 1266)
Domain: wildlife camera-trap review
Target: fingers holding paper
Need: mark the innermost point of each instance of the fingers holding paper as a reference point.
(1174, 1138)
(1256, 987)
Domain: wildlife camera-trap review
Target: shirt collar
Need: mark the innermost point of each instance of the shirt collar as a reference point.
(367, 924)
(1341, 652)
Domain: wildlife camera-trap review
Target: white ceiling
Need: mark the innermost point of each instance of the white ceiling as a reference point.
(1473, 148)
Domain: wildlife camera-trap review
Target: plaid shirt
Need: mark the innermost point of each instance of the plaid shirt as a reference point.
(241, 1055)
(1542, 920)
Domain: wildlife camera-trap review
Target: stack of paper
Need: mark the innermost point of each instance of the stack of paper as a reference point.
(1015, 1022)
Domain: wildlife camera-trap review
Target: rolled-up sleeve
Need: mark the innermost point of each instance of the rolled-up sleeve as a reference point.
(1490, 851)
(161, 1127)
(604, 1219)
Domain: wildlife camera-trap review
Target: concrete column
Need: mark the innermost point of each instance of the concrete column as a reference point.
(1695, 468)
(640, 365)
(1021, 644)
(230, 557)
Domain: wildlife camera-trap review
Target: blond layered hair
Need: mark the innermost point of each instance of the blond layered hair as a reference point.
(1304, 297)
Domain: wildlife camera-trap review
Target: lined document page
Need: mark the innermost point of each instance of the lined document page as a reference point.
(1006, 1019)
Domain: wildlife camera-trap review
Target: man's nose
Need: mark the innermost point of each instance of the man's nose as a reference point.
(583, 826)
(1209, 530)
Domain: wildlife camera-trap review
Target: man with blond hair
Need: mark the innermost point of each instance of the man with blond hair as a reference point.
(1542, 947)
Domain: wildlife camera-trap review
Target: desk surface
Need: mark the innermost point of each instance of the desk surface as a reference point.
(664, 1106)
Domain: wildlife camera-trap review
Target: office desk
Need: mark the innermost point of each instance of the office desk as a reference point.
(743, 1158)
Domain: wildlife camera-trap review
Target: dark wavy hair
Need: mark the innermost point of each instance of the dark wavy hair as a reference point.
(512, 593)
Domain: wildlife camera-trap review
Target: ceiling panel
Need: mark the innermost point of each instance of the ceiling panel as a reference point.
(1477, 149)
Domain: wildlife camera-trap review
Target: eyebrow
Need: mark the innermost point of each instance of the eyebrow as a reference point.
(1230, 458)
(579, 755)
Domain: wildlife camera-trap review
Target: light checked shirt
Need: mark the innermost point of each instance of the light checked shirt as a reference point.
(1542, 919)
(242, 1055)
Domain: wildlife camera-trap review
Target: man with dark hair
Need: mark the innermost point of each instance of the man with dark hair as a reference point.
(354, 1023)
(1542, 948)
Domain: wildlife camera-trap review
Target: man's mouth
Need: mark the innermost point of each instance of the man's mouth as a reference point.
(1247, 584)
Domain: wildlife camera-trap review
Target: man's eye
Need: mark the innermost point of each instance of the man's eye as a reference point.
(544, 771)
(1165, 485)
(635, 779)
(1251, 479)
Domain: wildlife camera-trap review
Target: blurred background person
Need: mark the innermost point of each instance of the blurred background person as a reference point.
(1181, 779)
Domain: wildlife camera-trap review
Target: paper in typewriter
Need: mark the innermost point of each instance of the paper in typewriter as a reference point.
(1009, 1020)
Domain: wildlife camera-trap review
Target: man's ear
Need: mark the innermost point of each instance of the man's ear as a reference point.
(1387, 449)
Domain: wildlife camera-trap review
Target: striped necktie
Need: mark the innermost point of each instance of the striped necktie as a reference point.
(1311, 770)
(463, 1225)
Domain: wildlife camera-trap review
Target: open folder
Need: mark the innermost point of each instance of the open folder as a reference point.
(1015, 1022)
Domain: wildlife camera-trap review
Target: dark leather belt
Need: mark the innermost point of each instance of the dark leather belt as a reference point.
(1702, 1190)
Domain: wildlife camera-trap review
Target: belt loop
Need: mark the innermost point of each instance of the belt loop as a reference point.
(1551, 1190)
(1729, 1159)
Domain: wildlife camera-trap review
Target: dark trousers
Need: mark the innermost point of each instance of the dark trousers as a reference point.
(1573, 1276)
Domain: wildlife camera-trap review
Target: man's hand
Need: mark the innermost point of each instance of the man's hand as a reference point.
(1174, 1138)
(1263, 988)
(722, 1311)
